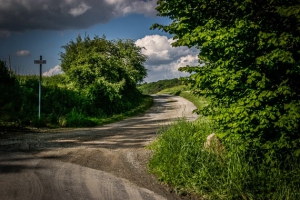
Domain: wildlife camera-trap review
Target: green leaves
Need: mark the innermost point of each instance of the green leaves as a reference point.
(107, 72)
(251, 73)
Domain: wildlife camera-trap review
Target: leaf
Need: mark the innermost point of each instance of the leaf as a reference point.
(286, 106)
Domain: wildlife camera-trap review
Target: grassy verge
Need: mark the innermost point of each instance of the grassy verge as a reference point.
(155, 87)
(199, 102)
(145, 105)
(181, 160)
(77, 119)
(62, 104)
(176, 90)
(183, 91)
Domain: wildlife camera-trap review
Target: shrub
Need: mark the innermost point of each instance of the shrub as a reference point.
(9, 89)
(249, 68)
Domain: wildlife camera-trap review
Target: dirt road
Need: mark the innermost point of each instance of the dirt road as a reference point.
(107, 162)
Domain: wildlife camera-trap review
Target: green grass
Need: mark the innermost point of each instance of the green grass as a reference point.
(173, 87)
(147, 102)
(77, 119)
(176, 90)
(155, 87)
(199, 102)
(62, 104)
(181, 160)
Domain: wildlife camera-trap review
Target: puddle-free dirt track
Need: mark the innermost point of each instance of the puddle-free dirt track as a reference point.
(107, 162)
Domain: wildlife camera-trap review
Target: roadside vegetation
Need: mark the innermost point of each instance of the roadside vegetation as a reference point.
(249, 75)
(155, 87)
(181, 159)
(99, 85)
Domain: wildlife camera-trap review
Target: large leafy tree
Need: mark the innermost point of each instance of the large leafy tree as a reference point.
(107, 71)
(250, 53)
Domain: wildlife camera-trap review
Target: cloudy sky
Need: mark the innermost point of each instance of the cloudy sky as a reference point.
(30, 28)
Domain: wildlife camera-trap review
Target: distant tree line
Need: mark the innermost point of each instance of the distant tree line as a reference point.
(155, 87)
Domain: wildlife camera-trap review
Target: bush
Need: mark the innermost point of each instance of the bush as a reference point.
(106, 72)
(249, 68)
(77, 119)
(61, 104)
(9, 89)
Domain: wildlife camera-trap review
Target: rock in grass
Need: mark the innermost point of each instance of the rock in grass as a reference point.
(214, 144)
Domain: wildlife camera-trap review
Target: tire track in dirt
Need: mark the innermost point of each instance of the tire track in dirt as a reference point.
(108, 162)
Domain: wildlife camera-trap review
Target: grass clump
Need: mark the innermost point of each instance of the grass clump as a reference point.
(181, 159)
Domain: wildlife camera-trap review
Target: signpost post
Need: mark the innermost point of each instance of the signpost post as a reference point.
(40, 61)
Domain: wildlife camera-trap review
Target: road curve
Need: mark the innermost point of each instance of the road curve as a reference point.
(107, 162)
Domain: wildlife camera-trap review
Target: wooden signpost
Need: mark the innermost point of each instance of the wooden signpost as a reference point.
(41, 62)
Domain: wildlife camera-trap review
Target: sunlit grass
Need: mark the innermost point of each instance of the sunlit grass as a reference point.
(145, 105)
(61, 105)
(176, 90)
(181, 160)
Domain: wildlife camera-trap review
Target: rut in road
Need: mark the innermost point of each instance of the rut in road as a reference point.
(107, 162)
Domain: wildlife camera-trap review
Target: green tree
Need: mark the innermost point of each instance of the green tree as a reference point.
(106, 71)
(249, 51)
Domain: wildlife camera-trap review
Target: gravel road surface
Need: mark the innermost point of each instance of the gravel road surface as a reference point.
(107, 162)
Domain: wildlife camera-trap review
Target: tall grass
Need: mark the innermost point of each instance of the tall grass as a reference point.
(199, 102)
(181, 160)
(61, 105)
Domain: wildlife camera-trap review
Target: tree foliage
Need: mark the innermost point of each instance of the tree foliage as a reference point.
(9, 87)
(106, 71)
(250, 51)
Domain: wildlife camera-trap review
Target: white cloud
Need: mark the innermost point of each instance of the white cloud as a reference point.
(141, 7)
(21, 15)
(81, 9)
(56, 70)
(23, 53)
(191, 60)
(163, 59)
(114, 1)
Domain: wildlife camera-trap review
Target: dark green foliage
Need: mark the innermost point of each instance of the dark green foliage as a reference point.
(56, 102)
(106, 72)
(56, 80)
(155, 87)
(6, 76)
(251, 73)
(100, 81)
(9, 89)
(61, 106)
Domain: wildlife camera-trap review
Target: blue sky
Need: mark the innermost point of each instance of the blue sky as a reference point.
(26, 32)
